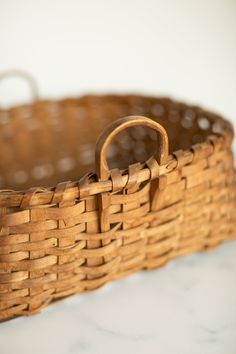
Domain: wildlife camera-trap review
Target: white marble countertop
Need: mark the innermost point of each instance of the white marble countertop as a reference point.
(187, 307)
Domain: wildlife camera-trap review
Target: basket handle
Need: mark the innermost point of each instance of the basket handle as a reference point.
(116, 127)
(23, 75)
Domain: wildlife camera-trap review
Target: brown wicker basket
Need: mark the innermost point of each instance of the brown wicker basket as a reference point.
(153, 205)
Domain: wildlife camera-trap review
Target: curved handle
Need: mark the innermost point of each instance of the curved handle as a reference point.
(105, 138)
(24, 75)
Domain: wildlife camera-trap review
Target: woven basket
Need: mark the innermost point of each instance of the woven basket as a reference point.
(154, 203)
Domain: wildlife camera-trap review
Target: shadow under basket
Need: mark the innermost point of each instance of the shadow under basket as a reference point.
(88, 223)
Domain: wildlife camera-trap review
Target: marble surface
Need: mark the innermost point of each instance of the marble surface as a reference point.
(187, 307)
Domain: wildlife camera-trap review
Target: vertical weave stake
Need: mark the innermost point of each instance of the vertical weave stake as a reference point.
(103, 172)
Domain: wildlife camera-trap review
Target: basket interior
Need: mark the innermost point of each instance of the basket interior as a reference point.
(53, 141)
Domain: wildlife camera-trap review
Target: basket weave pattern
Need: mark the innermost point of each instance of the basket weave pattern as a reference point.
(76, 236)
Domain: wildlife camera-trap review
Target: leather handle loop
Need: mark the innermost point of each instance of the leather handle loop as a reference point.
(162, 150)
(23, 75)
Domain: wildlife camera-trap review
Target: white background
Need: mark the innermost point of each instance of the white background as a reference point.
(183, 48)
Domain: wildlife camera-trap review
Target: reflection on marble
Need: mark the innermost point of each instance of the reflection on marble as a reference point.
(186, 307)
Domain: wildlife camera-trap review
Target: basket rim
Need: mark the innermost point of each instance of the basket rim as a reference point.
(44, 195)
